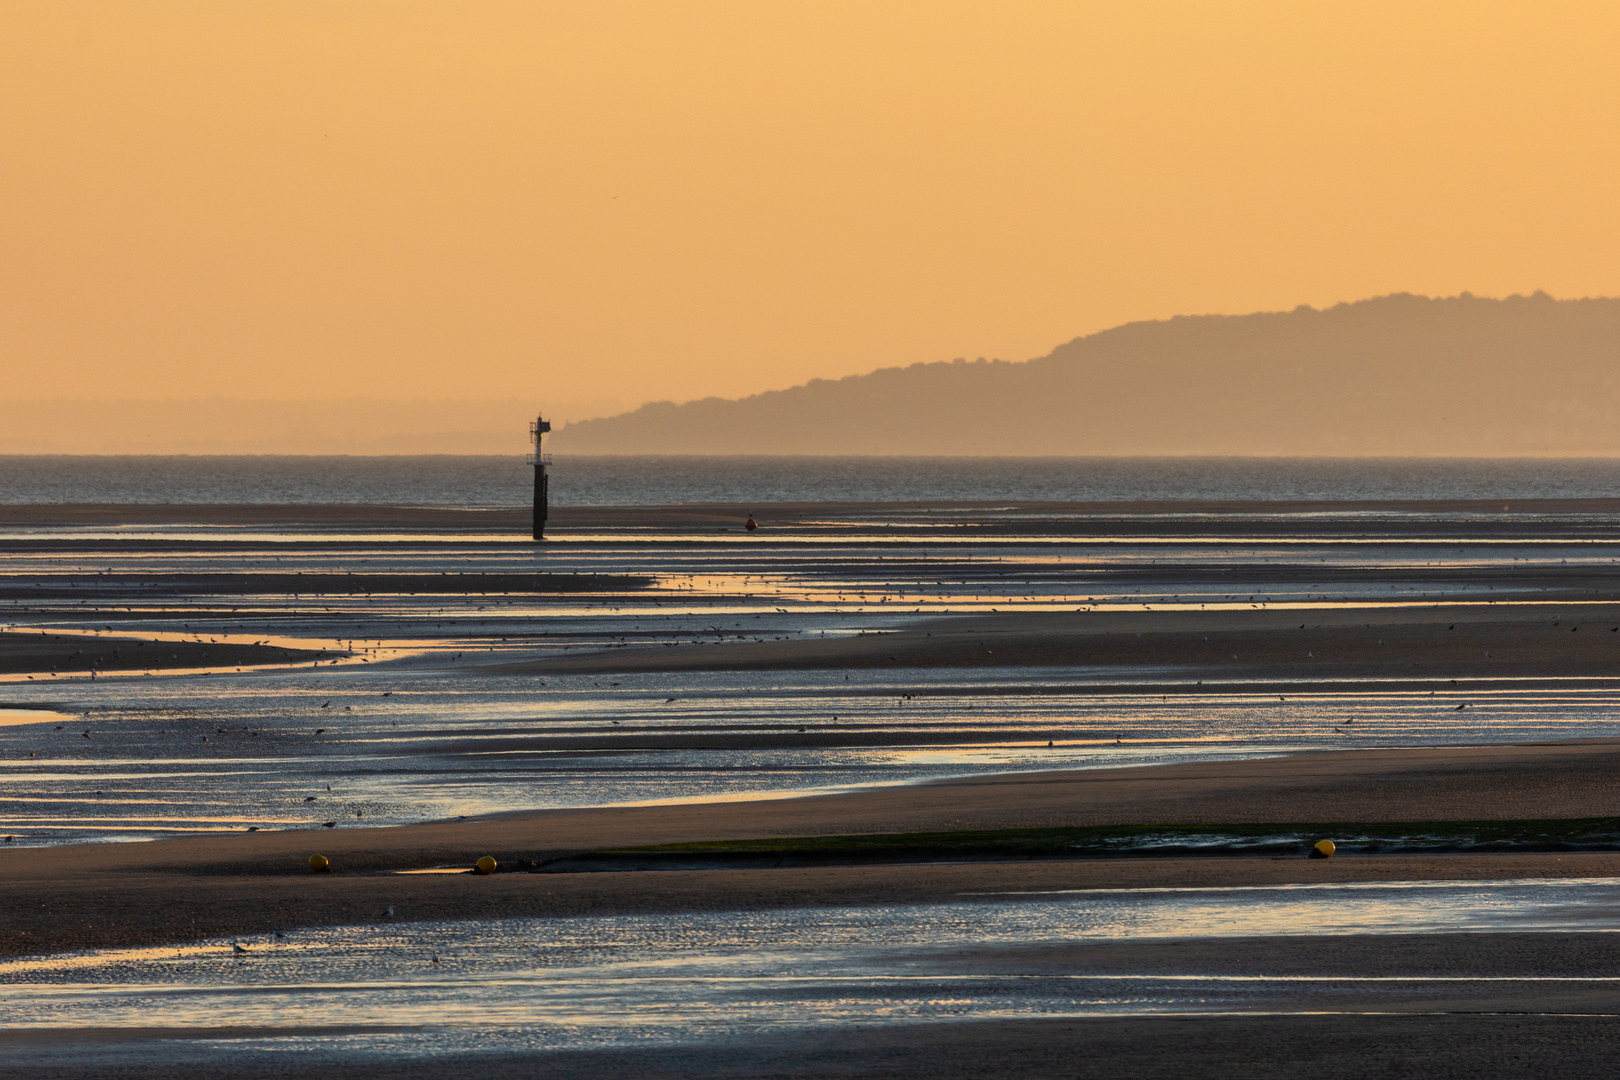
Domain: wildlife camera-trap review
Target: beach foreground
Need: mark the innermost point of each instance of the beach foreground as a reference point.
(117, 895)
(121, 895)
(1446, 1047)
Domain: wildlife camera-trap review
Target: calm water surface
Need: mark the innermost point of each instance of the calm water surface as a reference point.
(409, 725)
(417, 989)
(656, 481)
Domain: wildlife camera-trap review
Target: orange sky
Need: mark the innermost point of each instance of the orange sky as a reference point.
(647, 200)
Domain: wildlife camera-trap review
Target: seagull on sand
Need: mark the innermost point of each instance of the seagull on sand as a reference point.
(389, 913)
(238, 949)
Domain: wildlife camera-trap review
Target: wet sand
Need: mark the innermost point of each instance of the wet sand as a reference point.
(79, 654)
(1435, 1047)
(1560, 1033)
(1264, 650)
(117, 588)
(1431, 642)
(107, 895)
(222, 885)
(87, 909)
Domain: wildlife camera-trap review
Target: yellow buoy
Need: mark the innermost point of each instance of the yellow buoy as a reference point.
(318, 863)
(486, 865)
(1324, 849)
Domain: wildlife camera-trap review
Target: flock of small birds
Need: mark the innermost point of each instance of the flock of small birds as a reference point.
(222, 731)
(239, 949)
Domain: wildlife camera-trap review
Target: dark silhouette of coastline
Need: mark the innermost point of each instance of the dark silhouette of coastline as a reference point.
(1399, 375)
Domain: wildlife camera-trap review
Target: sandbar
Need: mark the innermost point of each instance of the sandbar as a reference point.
(110, 895)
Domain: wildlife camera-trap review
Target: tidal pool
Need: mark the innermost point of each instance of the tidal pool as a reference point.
(428, 988)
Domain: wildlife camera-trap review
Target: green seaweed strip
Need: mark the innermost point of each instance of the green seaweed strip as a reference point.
(1544, 834)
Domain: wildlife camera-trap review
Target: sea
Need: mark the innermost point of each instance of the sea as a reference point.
(500, 481)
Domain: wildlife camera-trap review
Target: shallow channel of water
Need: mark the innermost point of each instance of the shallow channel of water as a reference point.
(557, 984)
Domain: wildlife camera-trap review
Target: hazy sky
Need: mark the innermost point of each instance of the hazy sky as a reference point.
(676, 199)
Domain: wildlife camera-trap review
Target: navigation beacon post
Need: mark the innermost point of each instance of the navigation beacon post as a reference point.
(537, 429)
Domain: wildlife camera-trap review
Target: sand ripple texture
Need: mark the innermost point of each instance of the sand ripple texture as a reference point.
(424, 989)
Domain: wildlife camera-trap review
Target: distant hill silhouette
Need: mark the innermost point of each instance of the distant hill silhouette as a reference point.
(1399, 374)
